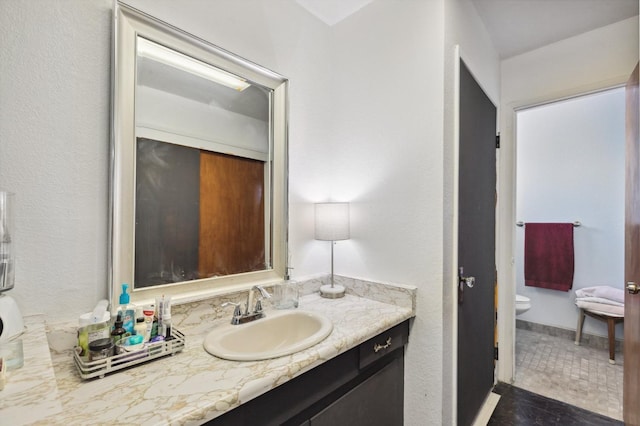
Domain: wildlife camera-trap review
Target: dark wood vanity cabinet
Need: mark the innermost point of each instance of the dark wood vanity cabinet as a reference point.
(363, 386)
(376, 401)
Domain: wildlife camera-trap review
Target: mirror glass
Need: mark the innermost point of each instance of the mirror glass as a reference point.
(199, 165)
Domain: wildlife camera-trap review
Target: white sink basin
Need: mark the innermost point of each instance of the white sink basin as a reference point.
(279, 333)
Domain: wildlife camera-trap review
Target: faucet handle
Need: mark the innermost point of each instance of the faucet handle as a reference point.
(258, 307)
(237, 311)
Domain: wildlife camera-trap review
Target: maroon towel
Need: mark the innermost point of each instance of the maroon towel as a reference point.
(548, 255)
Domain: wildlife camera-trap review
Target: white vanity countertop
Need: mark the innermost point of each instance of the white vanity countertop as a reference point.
(190, 387)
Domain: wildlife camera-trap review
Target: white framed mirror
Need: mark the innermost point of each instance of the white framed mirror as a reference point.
(198, 165)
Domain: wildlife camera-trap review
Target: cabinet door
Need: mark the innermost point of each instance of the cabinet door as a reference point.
(378, 401)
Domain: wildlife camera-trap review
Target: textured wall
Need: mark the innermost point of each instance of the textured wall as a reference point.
(387, 147)
(54, 149)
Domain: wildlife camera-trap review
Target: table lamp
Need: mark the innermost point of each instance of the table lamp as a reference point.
(332, 224)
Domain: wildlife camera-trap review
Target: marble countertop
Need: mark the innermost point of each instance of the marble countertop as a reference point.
(188, 388)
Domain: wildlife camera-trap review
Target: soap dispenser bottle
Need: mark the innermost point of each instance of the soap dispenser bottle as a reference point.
(128, 311)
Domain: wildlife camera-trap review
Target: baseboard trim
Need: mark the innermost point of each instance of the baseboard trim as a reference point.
(587, 339)
(487, 409)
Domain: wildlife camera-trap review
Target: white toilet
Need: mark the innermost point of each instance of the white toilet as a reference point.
(523, 304)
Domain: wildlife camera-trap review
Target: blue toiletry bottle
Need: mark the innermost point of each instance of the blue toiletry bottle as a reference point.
(128, 310)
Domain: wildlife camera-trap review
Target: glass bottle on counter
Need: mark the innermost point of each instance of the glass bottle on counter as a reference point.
(118, 331)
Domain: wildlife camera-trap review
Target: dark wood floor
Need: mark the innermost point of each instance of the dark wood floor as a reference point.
(523, 408)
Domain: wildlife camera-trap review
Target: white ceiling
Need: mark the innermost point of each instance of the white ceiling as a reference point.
(518, 26)
(515, 26)
(332, 11)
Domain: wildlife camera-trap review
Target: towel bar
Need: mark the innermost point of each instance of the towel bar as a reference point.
(575, 224)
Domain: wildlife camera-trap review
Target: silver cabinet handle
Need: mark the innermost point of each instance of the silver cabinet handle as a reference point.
(633, 288)
(378, 347)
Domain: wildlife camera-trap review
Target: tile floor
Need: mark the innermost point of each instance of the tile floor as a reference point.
(578, 375)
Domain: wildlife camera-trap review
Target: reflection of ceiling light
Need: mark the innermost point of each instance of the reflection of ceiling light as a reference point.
(175, 59)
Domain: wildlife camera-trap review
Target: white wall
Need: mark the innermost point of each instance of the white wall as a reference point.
(593, 60)
(570, 166)
(386, 145)
(54, 149)
(465, 28)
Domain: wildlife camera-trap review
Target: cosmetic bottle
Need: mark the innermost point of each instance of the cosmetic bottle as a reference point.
(166, 318)
(149, 312)
(118, 331)
(166, 325)
(163, 307)
(158, 318)
(140, 328)
(128, 310)
(154, 328)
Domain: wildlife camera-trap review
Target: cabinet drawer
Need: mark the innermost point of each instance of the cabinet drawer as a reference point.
(386, 342)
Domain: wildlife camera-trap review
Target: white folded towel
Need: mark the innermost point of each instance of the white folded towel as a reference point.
(599, 300)
(602, 291)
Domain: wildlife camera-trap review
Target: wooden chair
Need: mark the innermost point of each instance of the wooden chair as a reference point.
(610, 319)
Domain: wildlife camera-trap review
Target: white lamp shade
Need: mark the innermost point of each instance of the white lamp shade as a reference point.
(332, 221)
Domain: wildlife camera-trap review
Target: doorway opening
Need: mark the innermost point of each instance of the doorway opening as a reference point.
(570, 167)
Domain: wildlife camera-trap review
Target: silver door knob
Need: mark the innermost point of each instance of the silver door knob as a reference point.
(469, 281)
(633, 288)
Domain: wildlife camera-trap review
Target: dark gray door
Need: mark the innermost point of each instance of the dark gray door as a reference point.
(476, 247)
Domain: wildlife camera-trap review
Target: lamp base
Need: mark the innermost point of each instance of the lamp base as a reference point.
(329, 292)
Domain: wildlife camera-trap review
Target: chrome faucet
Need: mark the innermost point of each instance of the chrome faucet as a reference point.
(240, 317)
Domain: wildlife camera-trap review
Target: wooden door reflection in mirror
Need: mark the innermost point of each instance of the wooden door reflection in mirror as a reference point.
(199, 214)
